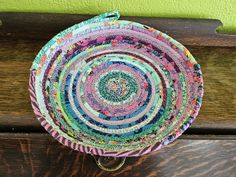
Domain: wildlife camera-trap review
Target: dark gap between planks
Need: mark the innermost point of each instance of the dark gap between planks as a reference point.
(190, 131)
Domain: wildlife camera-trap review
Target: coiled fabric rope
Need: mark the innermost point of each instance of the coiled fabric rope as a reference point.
(112, 87)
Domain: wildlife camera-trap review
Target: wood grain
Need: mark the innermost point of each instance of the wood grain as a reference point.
(38, 26)
(218, 66)
(40, 155)
(23, 34)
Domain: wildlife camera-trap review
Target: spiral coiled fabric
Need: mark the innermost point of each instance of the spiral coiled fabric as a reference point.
(112, 87)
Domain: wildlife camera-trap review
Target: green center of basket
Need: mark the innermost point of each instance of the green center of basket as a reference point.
(117, 86)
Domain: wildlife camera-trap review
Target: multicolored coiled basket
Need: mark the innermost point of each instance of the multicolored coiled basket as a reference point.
(112, 87)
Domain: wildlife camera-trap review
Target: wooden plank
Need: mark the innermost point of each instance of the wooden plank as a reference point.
(219, 72)
(40, 155)
(43, 26)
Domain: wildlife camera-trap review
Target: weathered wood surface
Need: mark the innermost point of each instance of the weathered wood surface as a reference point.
(43, 26)
(218, 66)
(21, 37)
(40, 155)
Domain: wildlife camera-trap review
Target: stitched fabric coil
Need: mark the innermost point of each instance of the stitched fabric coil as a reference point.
(112, 87)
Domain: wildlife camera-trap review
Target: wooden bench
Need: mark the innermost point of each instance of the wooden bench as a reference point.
(206, 149)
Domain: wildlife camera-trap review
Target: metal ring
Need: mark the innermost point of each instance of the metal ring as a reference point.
(101, 165)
